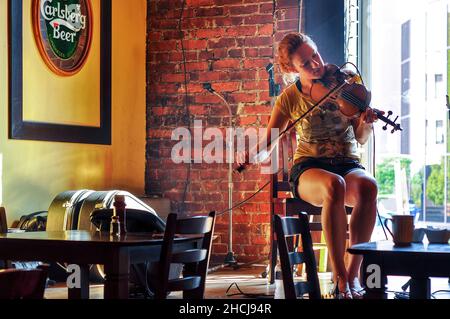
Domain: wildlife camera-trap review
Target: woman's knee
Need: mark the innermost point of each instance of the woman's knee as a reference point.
(334, 188)
(367, 190)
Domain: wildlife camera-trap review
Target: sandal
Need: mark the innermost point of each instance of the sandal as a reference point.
(347, 294)
(357, 290)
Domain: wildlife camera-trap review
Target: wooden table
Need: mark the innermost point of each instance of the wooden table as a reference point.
(419, 261)
(84, 248)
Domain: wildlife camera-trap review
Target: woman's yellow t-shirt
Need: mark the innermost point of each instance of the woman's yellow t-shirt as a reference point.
(325, 132)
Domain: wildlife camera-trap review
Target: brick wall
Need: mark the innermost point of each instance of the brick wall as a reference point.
(227, 43)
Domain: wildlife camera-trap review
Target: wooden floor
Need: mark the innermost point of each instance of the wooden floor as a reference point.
(249, 281)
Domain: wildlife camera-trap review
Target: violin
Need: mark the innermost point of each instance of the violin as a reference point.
(351, 98)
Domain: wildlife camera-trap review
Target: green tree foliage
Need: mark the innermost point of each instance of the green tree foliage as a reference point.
(385, 174)
(435, 185)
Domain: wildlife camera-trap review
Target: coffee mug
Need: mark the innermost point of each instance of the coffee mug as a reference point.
(402, 229)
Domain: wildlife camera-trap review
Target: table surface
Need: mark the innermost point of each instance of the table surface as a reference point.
(128, 239)
(388, 246)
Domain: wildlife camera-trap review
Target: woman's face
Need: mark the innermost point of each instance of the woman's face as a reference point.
(308, 63)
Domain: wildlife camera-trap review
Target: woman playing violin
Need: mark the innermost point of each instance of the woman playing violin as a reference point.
(326, 171)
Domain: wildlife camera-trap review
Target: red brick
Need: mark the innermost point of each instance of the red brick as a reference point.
(223, 2)
(285, 14)
(256, 63)
(227, 86)
(243, 97)
(287, 4)
(266, 8)
(251, 53)
(208, 12)
(266, 52)
(178, 56)
(167, 88)
(265, 29)
(258, 41)
(196, 23)
(243, 10)
(257, 109)
(152, 133)
(264, 119)
(219, 248)
(206, 55)
(243, 75)
(241, 31)
(164, 24)
(195, 44)
(287, 25)
(256, 85)
(260, 218)
(259, 19)
(193, 66)
(199, 109)
(226, 64)
(207, 99)
(226, 22)
(209, 33)
(172, 35)
(214, 76)
(173, 78)
(163, 46)
(192, 88)
(259, 240)
(193, 3)
(236, 53)
(264, 96)
(222, 43)
(155, 36)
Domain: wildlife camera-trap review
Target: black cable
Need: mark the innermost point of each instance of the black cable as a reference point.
(245, 200)
(186, 101)
(374, 175)
(245, 294)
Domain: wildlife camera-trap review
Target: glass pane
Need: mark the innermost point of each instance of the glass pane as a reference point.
(409, 54)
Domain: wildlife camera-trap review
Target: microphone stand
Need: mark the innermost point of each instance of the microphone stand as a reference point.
(230, 259)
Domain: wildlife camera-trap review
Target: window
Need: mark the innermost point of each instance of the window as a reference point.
(400, 43)
(439, 132)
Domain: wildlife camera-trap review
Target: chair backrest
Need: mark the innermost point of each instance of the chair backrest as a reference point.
(195, 260)
(23, 283)
(3, 221)
(280, 180)
(286, 229)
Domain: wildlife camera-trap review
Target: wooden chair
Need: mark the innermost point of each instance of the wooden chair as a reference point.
(288, 227)
(23, 284)
(3, 222)
(282, 202)
(195, 260)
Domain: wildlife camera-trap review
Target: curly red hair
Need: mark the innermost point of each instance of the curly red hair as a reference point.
(290, 43)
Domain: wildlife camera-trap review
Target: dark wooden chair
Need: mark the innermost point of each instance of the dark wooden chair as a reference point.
(283, 203)
(23, 283)
(195, 261)
(289, 227)
(3, 222)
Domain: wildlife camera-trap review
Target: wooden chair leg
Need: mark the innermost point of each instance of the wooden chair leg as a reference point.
(273, 260)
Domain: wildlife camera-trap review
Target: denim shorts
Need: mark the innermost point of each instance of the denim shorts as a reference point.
(339, 166)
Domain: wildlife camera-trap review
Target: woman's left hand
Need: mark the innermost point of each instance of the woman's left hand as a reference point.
(369, 116)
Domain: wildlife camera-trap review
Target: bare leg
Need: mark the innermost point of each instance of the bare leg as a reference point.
(327, 190)
(361, 194)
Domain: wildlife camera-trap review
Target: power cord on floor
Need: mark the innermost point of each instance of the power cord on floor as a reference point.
(246, 294)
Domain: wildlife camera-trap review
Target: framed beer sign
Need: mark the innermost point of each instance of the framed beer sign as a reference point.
(63, 33)
(60, 70)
